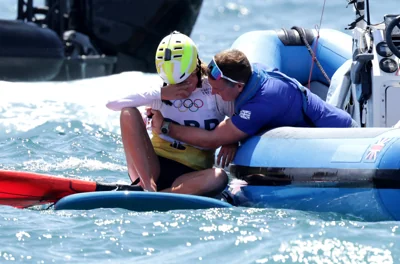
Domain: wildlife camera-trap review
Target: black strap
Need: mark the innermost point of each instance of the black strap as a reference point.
(117, 187)
(353, 24)
(136, 182)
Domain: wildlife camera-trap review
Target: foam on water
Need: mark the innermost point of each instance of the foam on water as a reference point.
(24, 106)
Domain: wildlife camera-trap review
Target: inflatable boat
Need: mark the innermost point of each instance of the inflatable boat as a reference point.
(354, 171)
(76, 39)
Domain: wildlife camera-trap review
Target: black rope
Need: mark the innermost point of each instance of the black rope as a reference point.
(304, 39)
(353, 24)
(358, 7)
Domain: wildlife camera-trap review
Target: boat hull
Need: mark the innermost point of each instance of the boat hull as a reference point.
(80, 39)
(365, 204)
(321, 169)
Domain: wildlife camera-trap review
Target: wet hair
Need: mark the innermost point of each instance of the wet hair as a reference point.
(234, 64)
(202, 71)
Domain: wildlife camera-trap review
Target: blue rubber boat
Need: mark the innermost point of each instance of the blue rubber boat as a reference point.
(352, 171)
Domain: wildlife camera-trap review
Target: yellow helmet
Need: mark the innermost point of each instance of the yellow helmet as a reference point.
(176, 58)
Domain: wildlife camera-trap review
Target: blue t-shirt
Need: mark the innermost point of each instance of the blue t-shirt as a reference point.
(268, 102)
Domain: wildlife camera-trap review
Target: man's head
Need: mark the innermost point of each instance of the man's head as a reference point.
(228, 73)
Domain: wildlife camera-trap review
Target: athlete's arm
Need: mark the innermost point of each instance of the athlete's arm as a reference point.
(147, 96)
(141, 97)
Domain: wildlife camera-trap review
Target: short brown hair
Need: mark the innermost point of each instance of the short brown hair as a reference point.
(234, 64)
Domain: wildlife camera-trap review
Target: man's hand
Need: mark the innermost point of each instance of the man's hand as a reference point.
(226, 154)
(157, 121)
(175, 91)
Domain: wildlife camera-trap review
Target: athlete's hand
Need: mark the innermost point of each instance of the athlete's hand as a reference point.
(175, 91)
(226, 154)
(156, 121)
(145, 115)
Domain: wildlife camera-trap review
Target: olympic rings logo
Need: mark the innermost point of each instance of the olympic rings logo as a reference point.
(188, 104)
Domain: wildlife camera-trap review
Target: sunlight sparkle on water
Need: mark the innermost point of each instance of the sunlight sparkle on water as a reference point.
(331, 251)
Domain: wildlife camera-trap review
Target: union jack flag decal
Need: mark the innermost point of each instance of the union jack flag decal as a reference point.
(374, 149)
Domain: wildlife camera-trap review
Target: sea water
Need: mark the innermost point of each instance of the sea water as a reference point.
(64, 129)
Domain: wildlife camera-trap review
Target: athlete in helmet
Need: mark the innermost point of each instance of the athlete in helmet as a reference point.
(176, 58)
(162, 163)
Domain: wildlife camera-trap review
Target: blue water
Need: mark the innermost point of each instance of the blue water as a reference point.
(64, 129)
